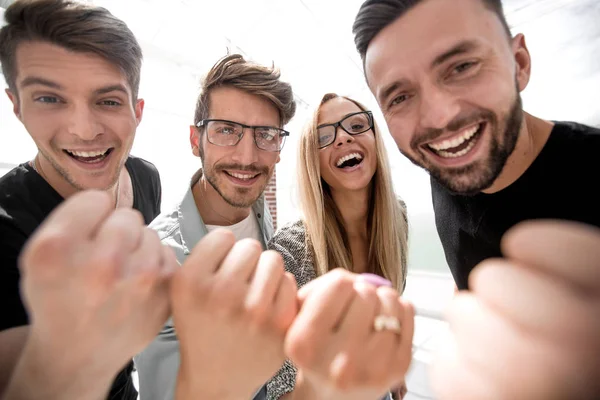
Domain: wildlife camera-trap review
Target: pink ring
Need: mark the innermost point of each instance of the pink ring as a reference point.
(375, 280)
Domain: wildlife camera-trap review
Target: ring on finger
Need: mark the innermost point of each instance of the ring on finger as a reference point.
(387, 323)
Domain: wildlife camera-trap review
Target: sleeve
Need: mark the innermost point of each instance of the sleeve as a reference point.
(158, 192)
(290, 242)
(12, 312)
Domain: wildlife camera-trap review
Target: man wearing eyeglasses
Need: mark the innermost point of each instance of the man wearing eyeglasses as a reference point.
(237, 134)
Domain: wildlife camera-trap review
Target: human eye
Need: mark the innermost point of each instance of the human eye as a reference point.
(463, 68)
(47, 99)
(110, 103)
(398, 100)
(224, 129)
(267, 134)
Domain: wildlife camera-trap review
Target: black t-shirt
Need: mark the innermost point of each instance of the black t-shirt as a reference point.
(26, 199)
(562, 183)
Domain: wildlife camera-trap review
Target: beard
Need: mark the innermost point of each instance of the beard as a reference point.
(241, 197)
(479, 175)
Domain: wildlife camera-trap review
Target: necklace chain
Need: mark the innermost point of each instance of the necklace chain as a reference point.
(32, 163)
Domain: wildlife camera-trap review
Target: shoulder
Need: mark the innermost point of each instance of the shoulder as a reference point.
(293, 233)
(26, 199)
(566, 133)
(141, 167)
(168, 228)
(166, 224)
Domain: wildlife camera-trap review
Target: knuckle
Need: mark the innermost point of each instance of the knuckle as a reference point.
(45, 247)
(251, 246)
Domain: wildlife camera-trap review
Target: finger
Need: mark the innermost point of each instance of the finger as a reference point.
(568, 250)
(327, 300)
(356, 323)
(452, 378)
(285, 301)
(393, 350)
(499, 352)
(170, 263)
(241, 262)
(352, 352)
(72, 222)
(208, 254)
(116, 238)
(148, 257)
(535, 302)
(309, 339)
(260, 299)
(79, 215)
(122, 229)
(324, 280)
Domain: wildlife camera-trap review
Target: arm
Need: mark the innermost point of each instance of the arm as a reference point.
(290, 242)
(13, 321)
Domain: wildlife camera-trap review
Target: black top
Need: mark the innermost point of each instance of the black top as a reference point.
(26, 199)
(562, 183)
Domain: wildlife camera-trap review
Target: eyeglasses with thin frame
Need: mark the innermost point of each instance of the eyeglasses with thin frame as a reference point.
(353, 124)
(222, 132)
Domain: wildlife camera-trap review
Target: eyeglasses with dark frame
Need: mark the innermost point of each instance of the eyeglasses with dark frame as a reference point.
(353, 124)
(222, 132)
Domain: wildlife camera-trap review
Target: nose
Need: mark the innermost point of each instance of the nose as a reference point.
(246, 152)
(82, 122)
(342, 137)
(438, 108)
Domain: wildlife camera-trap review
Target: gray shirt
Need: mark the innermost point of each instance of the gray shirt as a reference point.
(180, 229)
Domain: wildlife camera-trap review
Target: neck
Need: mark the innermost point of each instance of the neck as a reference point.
(354, 209)
(533, 136)
(63, 187)
(213, 209)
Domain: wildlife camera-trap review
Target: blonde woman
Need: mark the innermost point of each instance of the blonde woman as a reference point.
(352, 218)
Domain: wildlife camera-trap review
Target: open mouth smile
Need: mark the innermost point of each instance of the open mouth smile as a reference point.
(458, 145)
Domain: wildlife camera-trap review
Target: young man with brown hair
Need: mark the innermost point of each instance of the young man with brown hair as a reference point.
(238, 135)
(73, 74)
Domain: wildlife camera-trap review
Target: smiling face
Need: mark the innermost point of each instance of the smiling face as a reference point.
(78, 109)
(450, 91)
(241, 172)
(350, 162)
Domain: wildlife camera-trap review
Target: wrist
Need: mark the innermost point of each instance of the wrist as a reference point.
(40, 374)
(196, 384)
(305, 389)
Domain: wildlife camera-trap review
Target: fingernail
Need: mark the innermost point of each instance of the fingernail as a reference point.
(375, 280)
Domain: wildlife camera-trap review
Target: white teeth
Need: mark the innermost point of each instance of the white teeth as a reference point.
(348, 157)
(241, 176)
(457, 141)
(464, 151)
(87, 154)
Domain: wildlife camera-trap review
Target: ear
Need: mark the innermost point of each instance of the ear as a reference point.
(522, 61)
(139, 110)
(14, 99)
(195, 140)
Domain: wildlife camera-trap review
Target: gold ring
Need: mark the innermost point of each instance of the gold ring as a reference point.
(387, 323)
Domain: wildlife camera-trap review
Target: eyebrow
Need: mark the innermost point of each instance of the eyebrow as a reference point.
(112, 88)
(389, 89)
(460, 48)
(35, 80)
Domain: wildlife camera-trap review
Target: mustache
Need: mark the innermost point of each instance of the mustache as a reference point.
(253, 168)
(460, 121)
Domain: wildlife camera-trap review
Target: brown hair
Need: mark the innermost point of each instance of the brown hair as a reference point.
(233, 70)
(74, 26)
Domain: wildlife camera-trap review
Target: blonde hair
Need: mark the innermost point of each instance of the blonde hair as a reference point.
(325, 232)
